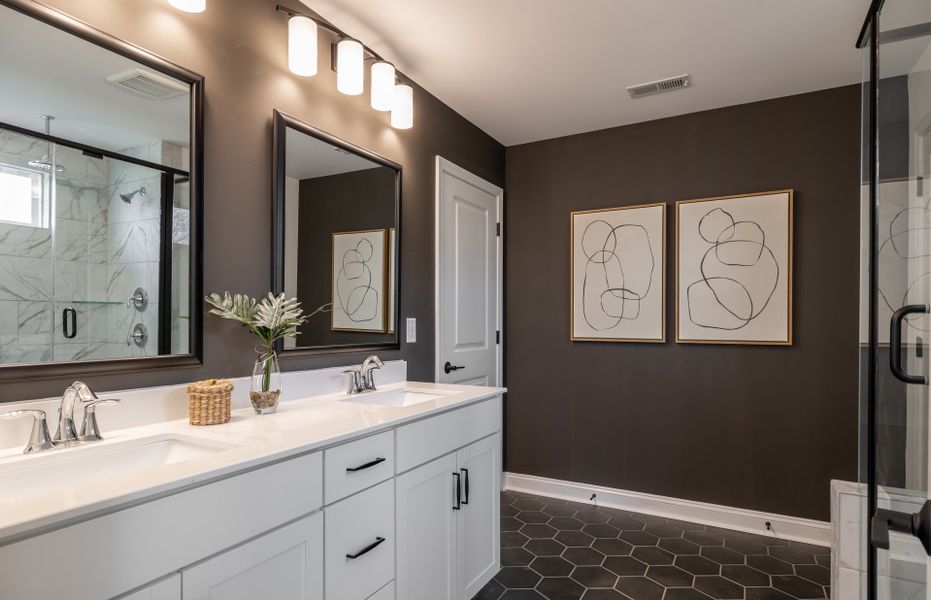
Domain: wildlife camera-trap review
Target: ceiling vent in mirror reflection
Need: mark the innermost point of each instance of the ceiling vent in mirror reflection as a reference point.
(669, 84)
(148, 84)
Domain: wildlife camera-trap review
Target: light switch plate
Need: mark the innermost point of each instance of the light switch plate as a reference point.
(411, 330)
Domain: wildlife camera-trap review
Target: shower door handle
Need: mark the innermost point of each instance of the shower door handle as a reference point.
(69, 314)
(916, 524)
(895, 343)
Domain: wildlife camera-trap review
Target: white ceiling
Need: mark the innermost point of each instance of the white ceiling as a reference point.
(527, 70)
(47, 71)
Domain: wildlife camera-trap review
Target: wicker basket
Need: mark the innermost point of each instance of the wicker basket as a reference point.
(209, 401)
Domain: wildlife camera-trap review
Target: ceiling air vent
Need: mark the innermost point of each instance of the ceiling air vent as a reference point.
(658, 87)
(148, 84)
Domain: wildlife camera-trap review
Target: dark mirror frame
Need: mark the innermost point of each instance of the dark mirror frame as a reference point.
(73, 26)
(283, 122)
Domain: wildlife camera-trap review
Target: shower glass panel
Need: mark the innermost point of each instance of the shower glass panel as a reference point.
(86, 243)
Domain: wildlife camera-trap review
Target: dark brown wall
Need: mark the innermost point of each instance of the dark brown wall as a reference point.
(762, 428)
(337, 203)
(240, 46)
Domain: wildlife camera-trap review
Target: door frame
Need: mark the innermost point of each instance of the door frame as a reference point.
(446, 167)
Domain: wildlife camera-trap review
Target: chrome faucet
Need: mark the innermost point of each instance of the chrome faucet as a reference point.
(363, 379)
(66, 435)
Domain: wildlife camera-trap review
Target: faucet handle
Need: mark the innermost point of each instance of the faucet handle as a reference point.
(89, 429)
(39, 438)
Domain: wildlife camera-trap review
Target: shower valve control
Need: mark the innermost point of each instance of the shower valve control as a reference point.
(139, 300)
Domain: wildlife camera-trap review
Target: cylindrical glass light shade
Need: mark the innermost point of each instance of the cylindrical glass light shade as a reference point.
(382, 85)
(402, 110)
(349, 71)
(191, 6)
(302, 46)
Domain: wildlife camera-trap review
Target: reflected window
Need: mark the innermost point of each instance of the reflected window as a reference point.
(23, 200)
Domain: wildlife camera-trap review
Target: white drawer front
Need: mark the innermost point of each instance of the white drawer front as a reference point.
(425, 440)
(352, 526)
(385, 593)
(357, 465)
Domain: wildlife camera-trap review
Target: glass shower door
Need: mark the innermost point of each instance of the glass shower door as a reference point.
(898, 195)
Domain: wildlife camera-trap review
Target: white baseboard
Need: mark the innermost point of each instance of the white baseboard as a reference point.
(751, 521)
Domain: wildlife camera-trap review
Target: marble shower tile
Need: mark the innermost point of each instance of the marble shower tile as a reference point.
(25, 279)
(9, 330)
(34, 322)
(79, 351)
(71, 240)
(25, 241)
(91, 323)
(25, 354)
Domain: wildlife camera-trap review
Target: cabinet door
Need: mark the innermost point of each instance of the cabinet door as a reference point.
(479, 546)
(286, 564)
(426, 531)
(166, 589)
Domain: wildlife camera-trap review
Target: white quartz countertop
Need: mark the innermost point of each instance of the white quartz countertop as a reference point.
(299, 426)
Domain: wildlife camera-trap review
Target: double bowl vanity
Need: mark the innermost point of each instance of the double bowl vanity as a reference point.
(384, 495)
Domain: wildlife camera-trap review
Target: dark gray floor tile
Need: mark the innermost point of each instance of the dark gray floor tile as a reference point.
(528, 504)
(508, 511)
(510, 524)
(670, 576)
(600, 594)
(545, 547)
(725, 533)
(513, 539)
(811, 548)
(517, 577)
(684, 594)
(769, 564)
(538, 530)
(624, 565)
(704, 538)
(652, 555)
(648, 518)
(592, 516)
(767, 540)
(680, 546)
(560, 588)
(663, 530)
(491, 591)
(744, 575)
(765, 593)
(566, 523)
(612, 547)
(818, 574)
(639, 538)
(515, 557)
(551, 566)
(559, 510)
(793, 555)
(532, 516)
(823, 559)
(697, 565)
(522, 595)
(591, 577)
(719, 587)
(722, 555)
(639, 588)
(601, 530)
(583, 556)
(685, 525)
(798, 587)
(574, 538)
(626, 522)
(741, 545)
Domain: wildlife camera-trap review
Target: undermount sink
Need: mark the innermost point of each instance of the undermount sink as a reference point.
(59, 470)
(402, 397)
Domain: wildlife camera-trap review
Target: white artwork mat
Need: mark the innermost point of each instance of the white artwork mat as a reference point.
(359, 268)
(618, 274)
(734, 269)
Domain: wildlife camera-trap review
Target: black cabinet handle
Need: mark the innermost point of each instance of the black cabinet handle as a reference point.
(69, 333)
(458, 491)
(466, 473)
(449, 367)
(895, 343)
(367, 549)
(367, 465)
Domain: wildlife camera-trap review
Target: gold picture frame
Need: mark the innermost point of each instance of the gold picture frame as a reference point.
(789, 242)
(382, 296)
(660, 279)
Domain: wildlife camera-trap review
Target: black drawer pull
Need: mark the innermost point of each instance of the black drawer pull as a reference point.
(367, 465)
(466, 473)
(458, 479)
(367, 549)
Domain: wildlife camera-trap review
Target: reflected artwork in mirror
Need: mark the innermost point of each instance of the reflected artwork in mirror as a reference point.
(335, 239)
(99, 200)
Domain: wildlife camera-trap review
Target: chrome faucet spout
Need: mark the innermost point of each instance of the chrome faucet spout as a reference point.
(67, 433)
(369, 366)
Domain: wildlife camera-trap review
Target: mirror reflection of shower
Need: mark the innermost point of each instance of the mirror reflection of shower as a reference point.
(45, 163)
(128, 197)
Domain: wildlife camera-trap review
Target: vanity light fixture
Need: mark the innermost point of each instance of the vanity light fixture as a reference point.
(191, 6)
(348, 60)
(302, 46)
(383, 81)
(402, 111)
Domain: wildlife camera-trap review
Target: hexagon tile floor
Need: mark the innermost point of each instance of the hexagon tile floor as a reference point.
(560, 550)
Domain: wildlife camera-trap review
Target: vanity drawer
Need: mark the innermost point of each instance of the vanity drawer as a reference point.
(357, 465)
(422, 441)
(355, 567)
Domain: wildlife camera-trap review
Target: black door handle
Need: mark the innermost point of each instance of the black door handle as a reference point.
(458, 491)
(466, 473)
(367, 465)
(367, 549)
(917, 524)
(449, 367)
(66, 331)
(895, 343)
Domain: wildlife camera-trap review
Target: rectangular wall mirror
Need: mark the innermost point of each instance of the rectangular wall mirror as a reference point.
(99, 199)
(336, 239)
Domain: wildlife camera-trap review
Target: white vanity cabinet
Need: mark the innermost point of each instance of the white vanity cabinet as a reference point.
(166, 589)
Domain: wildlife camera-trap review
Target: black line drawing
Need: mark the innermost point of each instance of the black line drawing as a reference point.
(355, 295)
(618, 273)
(739, 273)
(906, 240)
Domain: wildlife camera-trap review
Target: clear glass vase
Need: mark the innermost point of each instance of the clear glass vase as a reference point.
(266, 382)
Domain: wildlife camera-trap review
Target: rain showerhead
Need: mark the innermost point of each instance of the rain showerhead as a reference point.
(128, 197)
(45, 162)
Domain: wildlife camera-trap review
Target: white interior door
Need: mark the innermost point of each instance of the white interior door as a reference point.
(469, 269)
